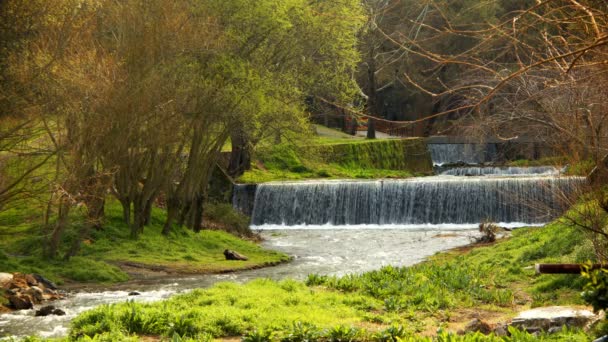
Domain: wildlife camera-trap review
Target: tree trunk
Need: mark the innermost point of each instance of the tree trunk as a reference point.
(240, 157)
(371, 128)
(62, 221)
(183, 215)
(126, 211)
(171, 213)
(198, 214)
(148, 211)
(372, 95)
(138, 219)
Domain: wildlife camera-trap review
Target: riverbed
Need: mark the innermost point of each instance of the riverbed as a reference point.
(322, 250)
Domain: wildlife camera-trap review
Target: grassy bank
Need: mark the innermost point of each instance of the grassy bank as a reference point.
(445, 292)
(106, 253)
(341, 158)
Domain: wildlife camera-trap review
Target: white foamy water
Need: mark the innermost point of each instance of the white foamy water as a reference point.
(406, 227)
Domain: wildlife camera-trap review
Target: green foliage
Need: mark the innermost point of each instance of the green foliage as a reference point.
(390, 334)
(400, 301)
(227, 309)
(183, 250)
(228, 219)
(258, 336)
(596, 288)
(342, 158)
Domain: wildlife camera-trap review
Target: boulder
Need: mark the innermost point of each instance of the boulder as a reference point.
(18, 283)
(5, 278)
(552, 317)
(20, 302)
(49, 294)
(45, 311)
(47, 283)
(58, 312)
(477, 325)
(31, 280)
(232, 255)
(49, 310)
(36, 293)
(501, 329)
(134, 293)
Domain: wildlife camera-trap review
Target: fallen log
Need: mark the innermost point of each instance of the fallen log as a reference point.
(232, 255)
(564, 268)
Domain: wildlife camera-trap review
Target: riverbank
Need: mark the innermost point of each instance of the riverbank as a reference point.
(491, 282)
(334, 157)
(109, 255)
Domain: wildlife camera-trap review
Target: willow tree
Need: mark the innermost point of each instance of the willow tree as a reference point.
(298, 49)
(273, 55)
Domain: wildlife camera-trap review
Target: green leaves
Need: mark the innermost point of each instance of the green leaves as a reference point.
(596, 290)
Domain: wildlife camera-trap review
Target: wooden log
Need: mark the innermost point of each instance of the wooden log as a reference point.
(232, 255)
(564, 268)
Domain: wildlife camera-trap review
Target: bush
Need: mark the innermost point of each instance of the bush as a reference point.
(222, 216)
(596, 289)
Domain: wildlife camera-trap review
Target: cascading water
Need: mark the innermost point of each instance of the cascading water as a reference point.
(243, 197)
(472, 154)
(418, 201)
(503, 171)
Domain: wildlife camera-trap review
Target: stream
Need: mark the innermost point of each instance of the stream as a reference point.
(335, 251)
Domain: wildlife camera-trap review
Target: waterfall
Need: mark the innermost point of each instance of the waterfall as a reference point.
(445, 154)
(506, 171)
(416, 201)
(243, 197)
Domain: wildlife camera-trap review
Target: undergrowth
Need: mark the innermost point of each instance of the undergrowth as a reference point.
(185, 251)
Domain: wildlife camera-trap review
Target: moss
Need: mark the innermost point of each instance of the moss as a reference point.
(342, 158)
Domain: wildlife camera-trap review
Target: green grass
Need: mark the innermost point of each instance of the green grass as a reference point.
(374, 306)
(183, 251)
(341, 158)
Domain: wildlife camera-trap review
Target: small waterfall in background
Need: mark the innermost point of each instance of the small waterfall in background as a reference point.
(471, 154)
(418, 201)
(504, 171)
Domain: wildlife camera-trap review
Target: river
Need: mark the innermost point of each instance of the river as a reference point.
(334, 251)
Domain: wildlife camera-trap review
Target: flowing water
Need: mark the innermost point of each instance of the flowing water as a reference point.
(472, 154)
(339, 227)
(502, 171)
(417, 201)
(336, 251)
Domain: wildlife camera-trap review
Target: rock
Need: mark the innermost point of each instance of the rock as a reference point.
(546, 318)
(501, 330)
(49, 310)
(477, 325)
(49, 294)
(45, 311)
(232, 255)
(554, 330)
(58, 312)
(134, 293)
(5, 278)
(47, 283)
(20, 302)
(31, 280)
(18, 283)
(36, 293)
